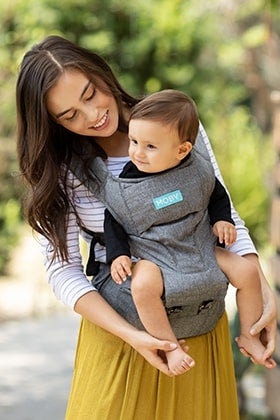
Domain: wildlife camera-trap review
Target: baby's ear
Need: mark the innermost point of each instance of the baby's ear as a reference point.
(184, 149)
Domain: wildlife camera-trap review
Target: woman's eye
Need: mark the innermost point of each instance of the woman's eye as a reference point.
(71, 117)
(91, 95)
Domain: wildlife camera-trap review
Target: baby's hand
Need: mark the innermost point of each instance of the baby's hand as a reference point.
(121, 268)
(225, 232)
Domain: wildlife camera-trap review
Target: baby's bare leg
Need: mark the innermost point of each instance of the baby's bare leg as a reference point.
(147, 290)
(244, 277)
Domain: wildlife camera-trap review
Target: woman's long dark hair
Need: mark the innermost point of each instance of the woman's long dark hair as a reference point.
(45, 148)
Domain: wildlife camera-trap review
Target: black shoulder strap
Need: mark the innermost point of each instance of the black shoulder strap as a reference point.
(92, 266)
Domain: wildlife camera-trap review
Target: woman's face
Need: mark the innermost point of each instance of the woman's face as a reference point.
(78, 105)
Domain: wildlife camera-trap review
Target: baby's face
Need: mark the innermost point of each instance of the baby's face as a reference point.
(153, 147)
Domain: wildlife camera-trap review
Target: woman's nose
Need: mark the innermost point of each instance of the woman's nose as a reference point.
(91, 114)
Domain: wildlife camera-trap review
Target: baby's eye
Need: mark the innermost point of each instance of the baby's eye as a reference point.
(133, 141)
(151, 146)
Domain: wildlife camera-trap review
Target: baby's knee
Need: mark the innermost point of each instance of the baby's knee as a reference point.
(146, 266)
(144, 271)
(146, 279)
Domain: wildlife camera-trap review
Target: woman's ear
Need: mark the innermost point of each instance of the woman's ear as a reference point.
(184, 149)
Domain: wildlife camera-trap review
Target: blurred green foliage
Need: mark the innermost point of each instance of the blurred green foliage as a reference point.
(9, 200)
(219, 52)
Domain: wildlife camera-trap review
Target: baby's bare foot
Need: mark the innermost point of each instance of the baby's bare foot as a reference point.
(252, 347)
(178, 361)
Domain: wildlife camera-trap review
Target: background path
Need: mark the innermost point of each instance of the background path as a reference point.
(36, 364)
(37, 340)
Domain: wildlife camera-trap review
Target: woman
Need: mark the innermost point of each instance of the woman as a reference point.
(71, 108)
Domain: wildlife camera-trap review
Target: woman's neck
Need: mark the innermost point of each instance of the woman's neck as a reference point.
(115, 145)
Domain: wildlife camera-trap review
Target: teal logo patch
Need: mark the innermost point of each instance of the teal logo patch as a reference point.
(167, 199)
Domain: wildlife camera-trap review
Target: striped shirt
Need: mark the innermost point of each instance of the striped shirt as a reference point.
(67, 279)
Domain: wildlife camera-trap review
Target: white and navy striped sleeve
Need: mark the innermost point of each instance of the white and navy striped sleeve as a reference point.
(67, 279)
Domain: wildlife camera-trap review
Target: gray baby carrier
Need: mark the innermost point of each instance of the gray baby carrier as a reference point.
(166, 218)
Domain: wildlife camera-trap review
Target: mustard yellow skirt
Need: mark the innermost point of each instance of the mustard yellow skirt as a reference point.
(113, 382)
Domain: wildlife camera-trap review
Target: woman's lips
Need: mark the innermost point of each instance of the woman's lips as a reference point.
(102, 122)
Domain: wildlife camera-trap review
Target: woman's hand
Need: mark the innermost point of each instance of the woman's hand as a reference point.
(266, 326)
(153, 350)
(93, 307)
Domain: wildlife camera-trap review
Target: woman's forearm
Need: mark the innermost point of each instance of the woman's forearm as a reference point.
(268, 321)
(267, 324)
(267, 292)
(95, 309)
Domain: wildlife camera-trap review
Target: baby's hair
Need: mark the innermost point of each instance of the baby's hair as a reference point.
(171, 107)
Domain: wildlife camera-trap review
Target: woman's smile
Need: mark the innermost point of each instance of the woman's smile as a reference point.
(102, 123)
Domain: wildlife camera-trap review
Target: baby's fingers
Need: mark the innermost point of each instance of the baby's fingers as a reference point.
(229, 235)
(118, 274)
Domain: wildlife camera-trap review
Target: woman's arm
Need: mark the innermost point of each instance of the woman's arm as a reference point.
(267, 324)
(67, 279)
(71, 286)
(95, 309)
(245, 247)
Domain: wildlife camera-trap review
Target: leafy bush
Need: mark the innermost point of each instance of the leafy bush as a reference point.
(223, 54)
(9, 224)
(10, 217)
